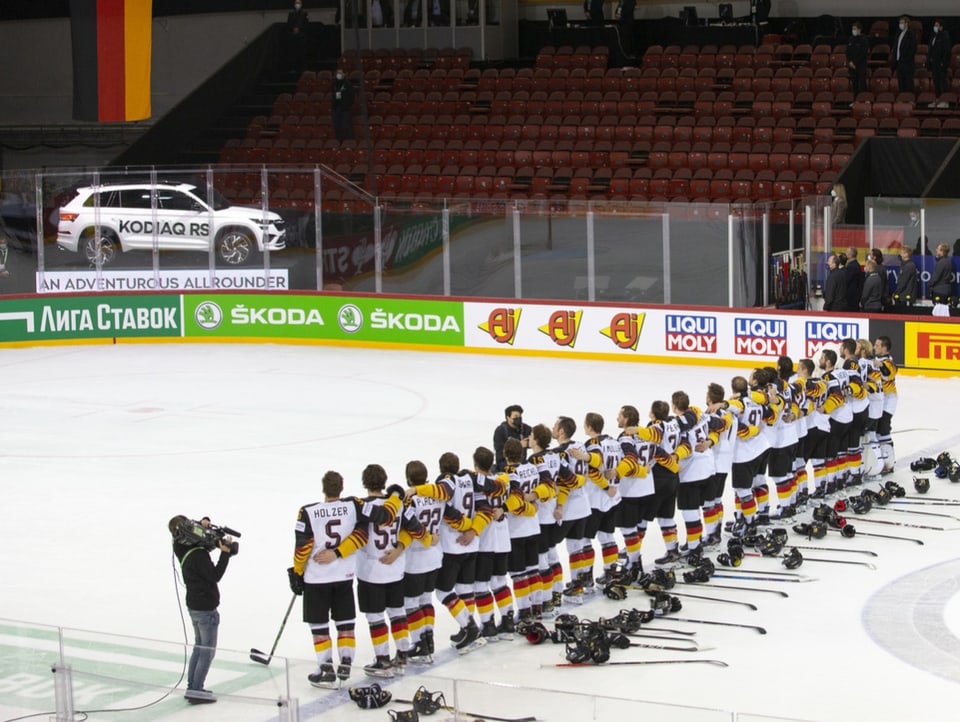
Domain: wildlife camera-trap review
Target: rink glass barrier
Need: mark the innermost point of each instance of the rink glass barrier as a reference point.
(67, 673)
(338, 237)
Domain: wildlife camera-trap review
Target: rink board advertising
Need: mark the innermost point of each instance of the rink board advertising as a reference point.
(547, 328)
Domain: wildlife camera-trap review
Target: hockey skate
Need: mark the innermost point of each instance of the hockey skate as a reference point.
(468, 638)
(380, 667)
(324, 677)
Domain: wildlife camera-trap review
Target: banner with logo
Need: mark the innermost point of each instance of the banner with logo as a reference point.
(334, 318)
(653, 332)
(932, 345)
(89, 317)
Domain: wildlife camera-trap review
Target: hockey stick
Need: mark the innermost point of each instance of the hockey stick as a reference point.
(926, 499)
(837, 549)
(451, 708)
(919, 513)
(903, 523)
(256, 655)
(671, 631)
(814, 559)
(877, 536)
(924, 502)
(738, 589)
(715, 662)
(669, 638)
(668, 618)
(727, 570)
(708, 599)
(763, 578)
(671, 649)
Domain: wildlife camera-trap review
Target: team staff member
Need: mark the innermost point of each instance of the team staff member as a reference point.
(906, 291)
(325, 535)
(835, 289)
(200, 576)
(941, 283)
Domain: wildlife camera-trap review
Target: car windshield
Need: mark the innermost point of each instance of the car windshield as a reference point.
(217, 201)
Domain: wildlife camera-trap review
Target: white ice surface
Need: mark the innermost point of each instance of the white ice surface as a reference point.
(103, 444)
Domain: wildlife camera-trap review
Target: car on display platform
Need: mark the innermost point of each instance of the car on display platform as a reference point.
(100, 222)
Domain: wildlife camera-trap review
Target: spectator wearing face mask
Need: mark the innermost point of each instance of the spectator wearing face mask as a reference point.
(904, 55)
(342, 109)
(938, 58)
(511, 428)
(858, 48)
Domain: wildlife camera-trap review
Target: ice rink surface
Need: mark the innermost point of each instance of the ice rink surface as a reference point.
(103, 444)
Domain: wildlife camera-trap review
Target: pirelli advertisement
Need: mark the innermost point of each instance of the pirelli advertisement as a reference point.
(588, 331)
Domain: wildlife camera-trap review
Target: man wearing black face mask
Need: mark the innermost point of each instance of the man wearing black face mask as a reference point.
(297, 29)
(512, 428)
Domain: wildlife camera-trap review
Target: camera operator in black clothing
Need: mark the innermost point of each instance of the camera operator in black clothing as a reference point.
(192, 544)
(512, 428)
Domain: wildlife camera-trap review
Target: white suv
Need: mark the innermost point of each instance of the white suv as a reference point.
(182, 223)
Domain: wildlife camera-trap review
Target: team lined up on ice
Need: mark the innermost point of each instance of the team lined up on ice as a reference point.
(485, 541)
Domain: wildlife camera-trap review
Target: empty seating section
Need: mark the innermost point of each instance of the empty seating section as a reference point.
(708, 123)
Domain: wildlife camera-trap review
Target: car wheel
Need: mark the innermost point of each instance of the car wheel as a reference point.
(103, 247)
(236, 246)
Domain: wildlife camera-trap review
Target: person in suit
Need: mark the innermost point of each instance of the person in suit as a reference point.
(593, 11)
(835, 289)
(904, 55)
(938, 57)
(858, 48)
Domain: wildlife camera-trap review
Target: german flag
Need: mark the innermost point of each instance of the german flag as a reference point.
(111, 59)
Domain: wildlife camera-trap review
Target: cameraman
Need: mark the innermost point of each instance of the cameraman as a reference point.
(192, 547)
(511, 428)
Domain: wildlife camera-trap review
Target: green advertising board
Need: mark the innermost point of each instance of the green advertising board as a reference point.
(333, 318)
(89, 317)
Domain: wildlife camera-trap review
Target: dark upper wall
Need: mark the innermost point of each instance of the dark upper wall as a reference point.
(31, 9)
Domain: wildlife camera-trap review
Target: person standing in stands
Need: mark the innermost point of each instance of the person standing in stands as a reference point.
(938, 57)
(624, 17)
(858, 48)
(904, 56)
(593, 11)
(297, 30)
(342, 107)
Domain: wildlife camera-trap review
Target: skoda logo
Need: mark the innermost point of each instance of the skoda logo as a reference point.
(350, 318)
(208, 315)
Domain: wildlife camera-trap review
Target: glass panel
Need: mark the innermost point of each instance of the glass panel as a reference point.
(629, 252)
(412, 237)
(468, 12)
(481, 249)
(381, 13)
(412, 13)
(19, 255)
(438, 12)
(553, 250)
(30, 651)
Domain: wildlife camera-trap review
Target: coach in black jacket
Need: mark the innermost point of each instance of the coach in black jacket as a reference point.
(835, 289)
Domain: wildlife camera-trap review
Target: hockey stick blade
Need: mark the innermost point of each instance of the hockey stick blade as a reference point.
(715, 662)
(259, 657)
(451, 708)
(759, 630)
